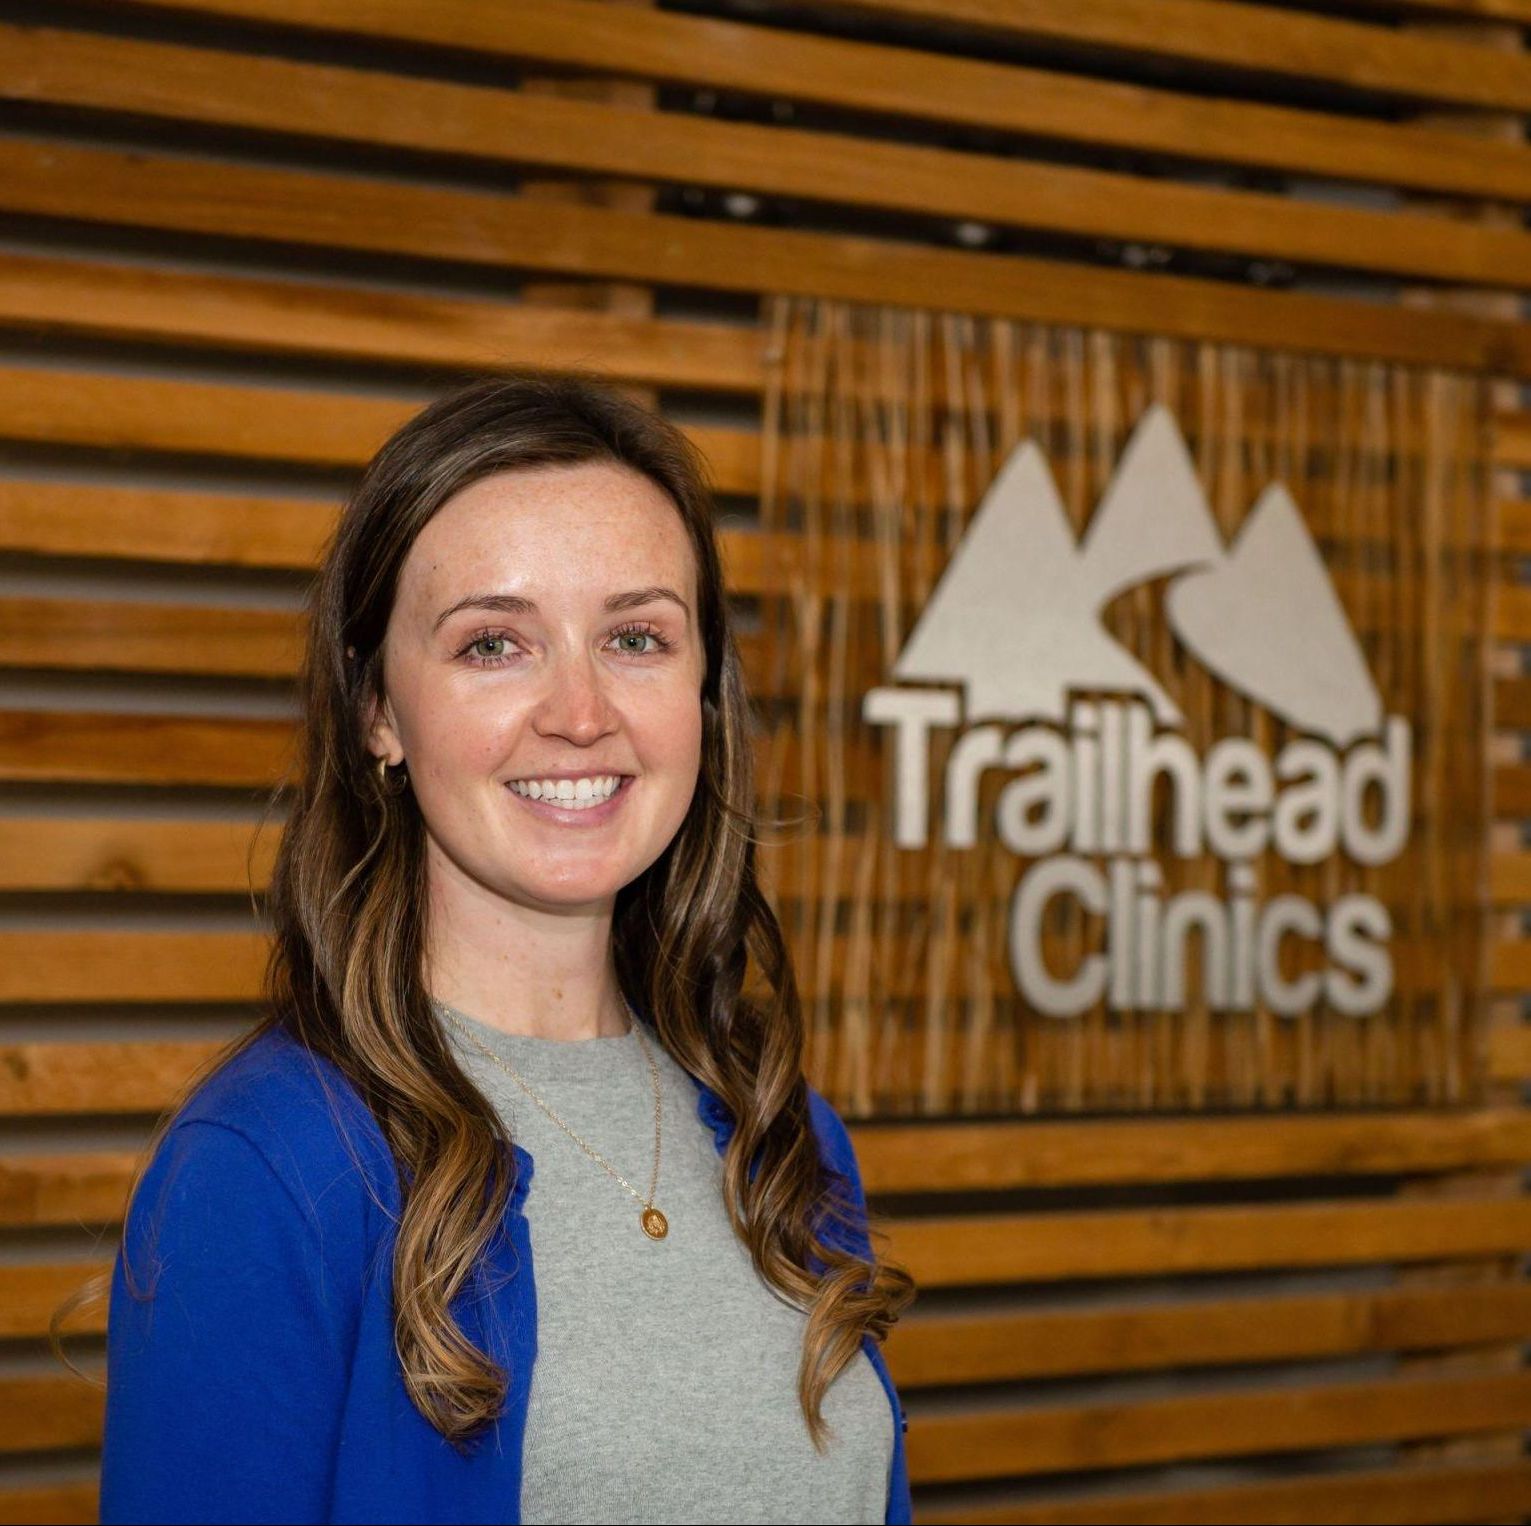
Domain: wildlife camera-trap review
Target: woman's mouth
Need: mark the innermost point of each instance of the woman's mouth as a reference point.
(562, 797)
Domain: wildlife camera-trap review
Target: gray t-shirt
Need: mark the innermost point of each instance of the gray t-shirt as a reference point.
(665, 1387)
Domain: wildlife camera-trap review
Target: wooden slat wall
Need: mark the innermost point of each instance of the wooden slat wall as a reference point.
(245, 238)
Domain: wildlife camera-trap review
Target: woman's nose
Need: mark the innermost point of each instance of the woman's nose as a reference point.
(575, 704)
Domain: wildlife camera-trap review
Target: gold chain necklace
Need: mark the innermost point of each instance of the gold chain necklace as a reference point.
(654, 1224)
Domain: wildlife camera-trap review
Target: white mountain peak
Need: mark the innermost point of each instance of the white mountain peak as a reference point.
(1267, 621)
(1153, 517)
(1015, 617)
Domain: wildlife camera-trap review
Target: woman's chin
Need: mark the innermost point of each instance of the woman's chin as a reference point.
(572, 894)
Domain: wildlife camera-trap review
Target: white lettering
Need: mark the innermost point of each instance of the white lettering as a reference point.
(1046, 791)
(1238, 784)
(1307, 814)
(1389, 770)
(1057, 876)
(1287, 913)
(1359, 926)
(913, 713)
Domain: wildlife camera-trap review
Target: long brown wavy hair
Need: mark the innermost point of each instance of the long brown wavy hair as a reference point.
(696, 946)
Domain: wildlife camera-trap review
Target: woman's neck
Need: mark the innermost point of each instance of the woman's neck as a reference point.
(543, 974)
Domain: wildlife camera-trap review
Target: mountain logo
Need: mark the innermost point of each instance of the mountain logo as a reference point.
(1016, 620)
(1013, 633)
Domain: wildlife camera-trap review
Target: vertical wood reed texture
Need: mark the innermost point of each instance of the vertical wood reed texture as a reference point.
(883, 429)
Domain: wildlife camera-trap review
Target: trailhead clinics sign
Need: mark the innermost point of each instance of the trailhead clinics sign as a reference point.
(1015, 623)
(1142, 701)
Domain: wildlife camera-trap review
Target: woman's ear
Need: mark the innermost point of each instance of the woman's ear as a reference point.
(382, 735)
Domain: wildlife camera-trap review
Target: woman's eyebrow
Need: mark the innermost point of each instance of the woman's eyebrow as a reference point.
(514, 604)
(637, 596)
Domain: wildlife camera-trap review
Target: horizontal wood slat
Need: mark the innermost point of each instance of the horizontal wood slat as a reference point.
(921, 84)
(1258, 38)
(1417, 1494)
(999, 1248)
(134, 1076)
(1509, 1051)
(591, 137)
(1512, 613)
(135, 636)
(1512, 441)
(1510, 878)
(77, 1188)
(1509, 966)
(31, 1292)
(128, 853)
(1512, 790)
(1514, 526)
(1142, 1336)
(1065, 1438)
(308, 427)
(76, 1504)
(215, 529)
(303, 318)
(38, 1414)
(1468, 10)
(1512, 704)
(94, 748)
(284, 206)
(959, 1157)
(324, 429)
(131, 966)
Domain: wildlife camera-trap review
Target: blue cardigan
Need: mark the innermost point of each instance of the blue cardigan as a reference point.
(260, 1383)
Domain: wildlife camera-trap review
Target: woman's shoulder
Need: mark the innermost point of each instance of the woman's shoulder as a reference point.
(269, 1080)
(287, 1119)
(834, 1137)
(847, 1221)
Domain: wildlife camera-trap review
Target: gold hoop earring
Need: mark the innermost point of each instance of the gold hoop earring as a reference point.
(382, 772)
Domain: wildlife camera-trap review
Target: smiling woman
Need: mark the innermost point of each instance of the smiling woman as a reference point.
(515, 906)
(570, 676)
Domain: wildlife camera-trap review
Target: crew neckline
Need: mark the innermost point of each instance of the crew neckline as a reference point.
(534, 1042)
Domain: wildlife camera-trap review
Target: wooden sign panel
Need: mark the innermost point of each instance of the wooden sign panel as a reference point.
(1136, 691)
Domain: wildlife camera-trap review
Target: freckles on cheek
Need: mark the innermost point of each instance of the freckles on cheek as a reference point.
(454, 751)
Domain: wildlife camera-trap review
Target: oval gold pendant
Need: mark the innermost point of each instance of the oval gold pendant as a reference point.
(655, 1225)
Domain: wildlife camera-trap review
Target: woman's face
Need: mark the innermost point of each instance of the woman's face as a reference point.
(543, 643)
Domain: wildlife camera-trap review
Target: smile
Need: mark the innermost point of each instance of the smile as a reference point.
(581, 794)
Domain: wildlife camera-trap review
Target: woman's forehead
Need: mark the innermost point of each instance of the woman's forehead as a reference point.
(566, 530)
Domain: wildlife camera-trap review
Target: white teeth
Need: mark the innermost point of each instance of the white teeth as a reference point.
(570, 794)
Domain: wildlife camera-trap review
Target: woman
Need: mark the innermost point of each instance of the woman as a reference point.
(517, 922)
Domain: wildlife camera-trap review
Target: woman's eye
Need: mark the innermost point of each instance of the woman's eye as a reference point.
(631, 642)
(489, 649)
